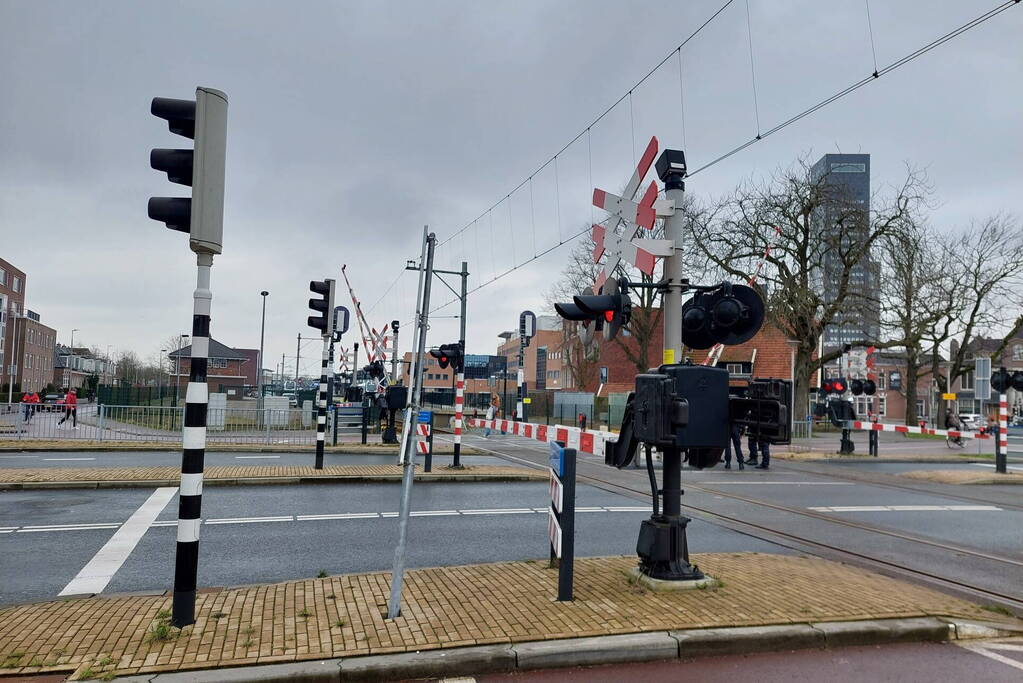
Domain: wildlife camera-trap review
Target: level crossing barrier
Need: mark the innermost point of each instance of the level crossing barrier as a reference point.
(582, 440)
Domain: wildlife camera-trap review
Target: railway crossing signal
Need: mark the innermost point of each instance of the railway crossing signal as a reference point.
(204, 120)
(1002, 381)
(835, 386)
(609, 311)
(449, 354)
(324, 306)
(859, 386)
(729, 315)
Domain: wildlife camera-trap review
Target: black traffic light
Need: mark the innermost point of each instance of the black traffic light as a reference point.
(835, 386)
(1001, 380)
(859, 386)
(204, 120)
(1016, 381)
(324, 306)
(449, 354)
(610, 310)
(730, 315)
(375, 370)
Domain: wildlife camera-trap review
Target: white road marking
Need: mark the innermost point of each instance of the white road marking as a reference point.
(95, 575)
(250, 520)
(321, 517)
(19, 456)
(784, 483)
(62, 459)
(984, 464)
(985, 651)
(257, 457)
(907, 508)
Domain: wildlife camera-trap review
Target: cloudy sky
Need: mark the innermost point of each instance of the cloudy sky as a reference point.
(354, 124)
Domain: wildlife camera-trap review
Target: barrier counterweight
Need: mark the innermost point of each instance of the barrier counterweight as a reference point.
(321, 403)
(186, 562)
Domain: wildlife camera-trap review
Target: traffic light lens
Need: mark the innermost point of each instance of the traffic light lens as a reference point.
(727, 313)
(609, 316)
(694, 319)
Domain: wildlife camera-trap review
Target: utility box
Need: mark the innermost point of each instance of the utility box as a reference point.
(216, 413)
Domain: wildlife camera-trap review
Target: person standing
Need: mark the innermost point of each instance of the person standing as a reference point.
(26, 406)
(70, 408)
(755, 444)
(735, 441)
(491, 413)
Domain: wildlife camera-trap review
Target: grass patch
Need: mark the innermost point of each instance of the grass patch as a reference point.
(106, 661)
(218, 615)
(161, 630)
(339, 623)
(86, 673)
(249, 643)
(997, 609)
(322, 574)
(247, 631)
(305, 613)
(11, 660)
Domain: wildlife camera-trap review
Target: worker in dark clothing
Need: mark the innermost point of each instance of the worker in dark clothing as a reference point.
(735, 441)
(757, 444)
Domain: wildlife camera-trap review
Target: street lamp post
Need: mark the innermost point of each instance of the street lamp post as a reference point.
(71, 359)
(259, 365)
(12, 361)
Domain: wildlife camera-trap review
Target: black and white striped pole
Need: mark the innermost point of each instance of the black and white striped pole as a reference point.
(324, 305)
(527, 328)
(202, 216)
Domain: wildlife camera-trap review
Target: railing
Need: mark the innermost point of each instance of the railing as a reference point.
(156, 424)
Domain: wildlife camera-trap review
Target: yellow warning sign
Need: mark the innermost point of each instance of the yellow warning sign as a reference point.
(948, 397)
(668, 357)
(527, 400)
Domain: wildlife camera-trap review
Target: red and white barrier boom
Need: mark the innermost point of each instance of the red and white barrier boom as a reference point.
(859, 425)
(584, 441)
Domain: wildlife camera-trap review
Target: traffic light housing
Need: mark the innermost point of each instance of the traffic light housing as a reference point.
(204, 120)
(837, 385)
(323, 306)
(449, 354)
(609, 311)
(1001, 380)
(1016, 381)
(375, 370)
(730, 315)
(859, 386)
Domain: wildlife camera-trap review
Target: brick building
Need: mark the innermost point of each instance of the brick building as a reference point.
(73, 367)
(543, 360)
(478, 371)
(228, 370)
(12, 306)
(34, 350)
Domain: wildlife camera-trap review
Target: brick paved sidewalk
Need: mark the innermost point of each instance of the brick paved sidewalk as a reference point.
(444, 607)
(165, 475)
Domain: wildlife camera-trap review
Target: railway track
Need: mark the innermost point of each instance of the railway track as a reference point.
(591, 473)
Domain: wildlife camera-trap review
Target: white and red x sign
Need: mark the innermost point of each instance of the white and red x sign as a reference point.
(634, 217)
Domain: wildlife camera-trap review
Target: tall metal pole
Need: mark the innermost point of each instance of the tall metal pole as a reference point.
(193, 454)
(13, 356)
(394, 354)
(460, 376)
(298, 356)
(259, 365)
(355, 366)
(408, 465)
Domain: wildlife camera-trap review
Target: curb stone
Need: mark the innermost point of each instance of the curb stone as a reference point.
(629, 647)
(430, 663)
(747, 639)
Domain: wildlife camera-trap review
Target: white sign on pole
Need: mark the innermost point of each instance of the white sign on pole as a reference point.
(554, 531)
(982, 378)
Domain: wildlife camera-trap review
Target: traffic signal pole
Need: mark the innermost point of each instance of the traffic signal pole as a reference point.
(1002, 438)
(460, 372)
(321, 403)
(193, 453)
(671, 524)
(411, 413)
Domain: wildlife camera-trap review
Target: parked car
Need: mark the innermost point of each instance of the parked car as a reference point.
(971, 421)
(52, 402)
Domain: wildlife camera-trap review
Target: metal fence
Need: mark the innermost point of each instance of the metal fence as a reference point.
(162, 424)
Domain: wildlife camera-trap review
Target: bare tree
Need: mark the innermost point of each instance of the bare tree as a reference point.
(913, 298)
(802, 239)
(982, 297)
(580, 273)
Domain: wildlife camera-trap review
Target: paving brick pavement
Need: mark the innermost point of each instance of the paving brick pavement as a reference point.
(507, 602)
(269, 472)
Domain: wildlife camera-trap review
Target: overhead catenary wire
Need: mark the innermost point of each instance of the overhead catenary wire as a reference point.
(748, 143)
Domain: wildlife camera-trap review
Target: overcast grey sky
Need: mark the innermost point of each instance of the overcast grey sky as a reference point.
(353, 124)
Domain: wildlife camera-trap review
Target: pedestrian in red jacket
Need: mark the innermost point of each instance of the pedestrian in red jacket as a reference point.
(70, 408)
